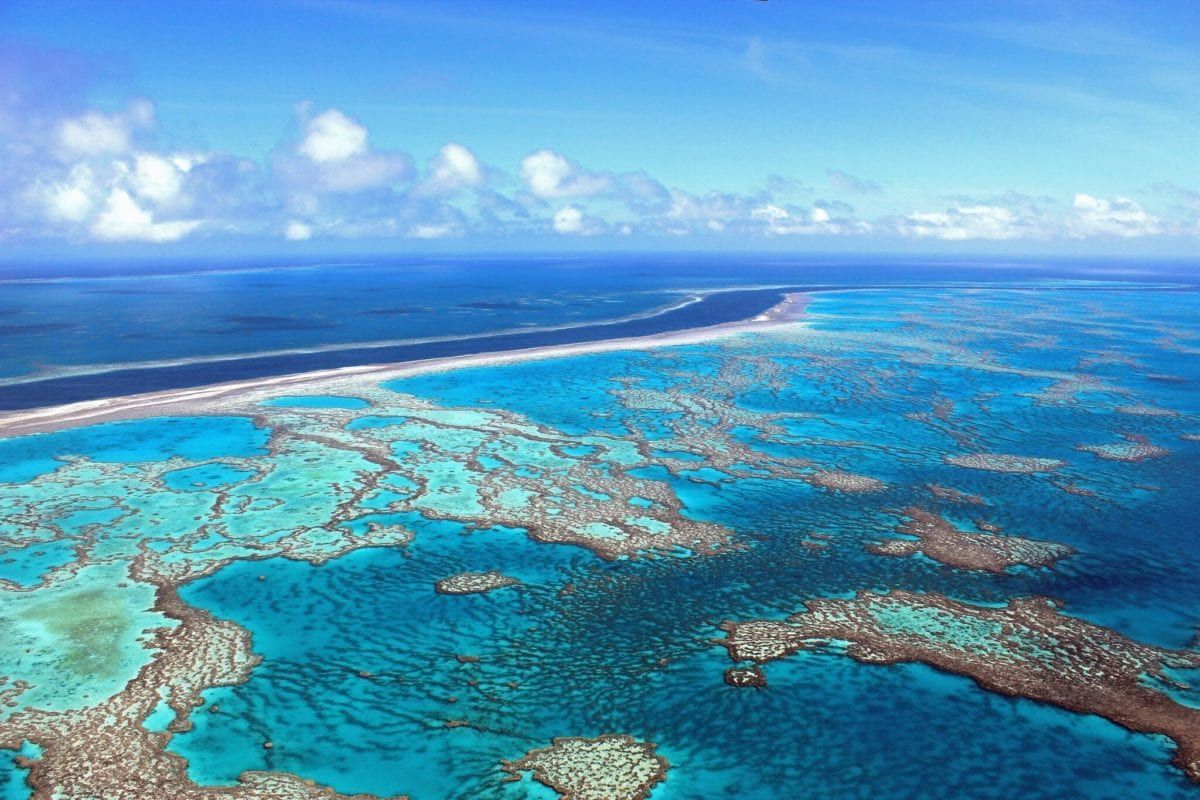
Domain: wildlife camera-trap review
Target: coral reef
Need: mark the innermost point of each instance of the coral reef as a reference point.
(474, 583)
(1027, 648)
(1134, 448)
(609, 767)
(996, 462)
(943, 542)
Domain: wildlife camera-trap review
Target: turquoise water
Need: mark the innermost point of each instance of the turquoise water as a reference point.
(155, 439)
(360, 672)
(12, 778)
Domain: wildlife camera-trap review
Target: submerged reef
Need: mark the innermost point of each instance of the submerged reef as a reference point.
(996, 462)
(1145, 410)
(842, 481)
(1026, 648)
(951, 495)
(609, 767)
(751, 677)
(105, 749)
(474, 583)
(943, 542)
(1134, 448)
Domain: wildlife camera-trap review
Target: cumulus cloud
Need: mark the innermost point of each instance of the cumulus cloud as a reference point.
(332, 136)
(98, 179)
(549, 176)
(1119, 217)
(712, 210)
(79, 173)
(68, 199)
(334, 154)
(814, 221)
(963, 222)
(1014, 216)
(571, 219)
(94, 133)
(124, 220)
(162, 179)
(452, 170)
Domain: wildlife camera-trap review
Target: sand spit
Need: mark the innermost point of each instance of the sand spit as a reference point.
(211, 399)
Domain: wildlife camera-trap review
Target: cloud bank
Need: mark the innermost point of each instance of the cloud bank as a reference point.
(75, 173)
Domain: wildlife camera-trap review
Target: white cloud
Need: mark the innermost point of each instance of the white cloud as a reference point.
(296, 231)
(123, 220)
(1015, 216)
(1121, 217)
(685, 207)
(427, 231)
(80, 173)
(550, 175)
(94, 133)
(453, 169)
(68, 200)
(334, 155)
(157, 178)
(365, 172)
(332, 136)
(69, 203)
(770, 214)
(571, 219)
(965, 222)
(791, 221)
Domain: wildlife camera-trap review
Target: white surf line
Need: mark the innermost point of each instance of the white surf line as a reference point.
(209, 399)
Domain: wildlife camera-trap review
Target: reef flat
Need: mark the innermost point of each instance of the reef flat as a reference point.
(936, 538)
(1027, 648)
(604, 768)
(1135, 448)
(474, 583)
(308, 587)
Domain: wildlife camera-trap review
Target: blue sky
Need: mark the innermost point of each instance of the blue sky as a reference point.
(865, 126)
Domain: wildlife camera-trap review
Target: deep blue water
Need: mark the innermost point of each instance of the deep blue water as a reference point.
(105, 330)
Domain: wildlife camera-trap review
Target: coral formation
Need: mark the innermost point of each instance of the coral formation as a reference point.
(474, 583)
(1026, 648)
(609, 767)
(943, 542)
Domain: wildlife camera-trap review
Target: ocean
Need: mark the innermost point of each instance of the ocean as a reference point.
(80, 331)
(640, 500)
